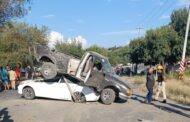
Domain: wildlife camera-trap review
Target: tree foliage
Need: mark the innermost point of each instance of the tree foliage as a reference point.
(163, 44)
(138, 50)
(12, 8)
(116, 55)
(158, 46)
(16, 40)
(100, 50)
(119, 55)
(73, 48)
(179, 23)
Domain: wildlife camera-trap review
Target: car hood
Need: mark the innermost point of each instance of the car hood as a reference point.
(27, 82)
(118, 80)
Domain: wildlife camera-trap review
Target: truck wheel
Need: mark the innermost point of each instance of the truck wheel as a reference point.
(107, 96)
(48, 70)
(28, 93)
(79, 97)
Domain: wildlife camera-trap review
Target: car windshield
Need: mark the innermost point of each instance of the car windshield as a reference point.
(56, 79)
(71, 79)
(106, 65)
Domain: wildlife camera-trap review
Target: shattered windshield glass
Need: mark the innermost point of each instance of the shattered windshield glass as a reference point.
(106, 65)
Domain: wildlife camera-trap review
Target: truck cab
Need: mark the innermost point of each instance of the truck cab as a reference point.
(94, 70)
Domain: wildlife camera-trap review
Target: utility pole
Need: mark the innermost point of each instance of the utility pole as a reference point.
(186, 36)
(139, 31)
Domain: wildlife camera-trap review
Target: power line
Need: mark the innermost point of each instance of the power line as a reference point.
(145, 17)
(152, 13)
(157, 12)
(170, 5)
(139, 31)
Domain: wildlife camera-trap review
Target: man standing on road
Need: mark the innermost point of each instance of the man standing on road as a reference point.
(161, 83)
(150, 81)
(4, 78)
(12, 78)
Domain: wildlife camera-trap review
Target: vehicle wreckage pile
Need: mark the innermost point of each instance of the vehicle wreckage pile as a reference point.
(69, 78)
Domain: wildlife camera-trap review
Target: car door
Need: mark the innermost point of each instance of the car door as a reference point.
(61, 90)
(81, 65)
(95, 76)
(52, 88)
(44, 89)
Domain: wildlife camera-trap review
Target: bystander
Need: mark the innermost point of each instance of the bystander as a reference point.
(29, 72)
(4, 78)
(12, 78)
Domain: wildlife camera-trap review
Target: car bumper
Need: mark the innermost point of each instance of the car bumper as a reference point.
(20, 89)
(123, 96)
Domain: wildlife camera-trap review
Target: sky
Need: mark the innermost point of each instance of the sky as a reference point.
(106, 23)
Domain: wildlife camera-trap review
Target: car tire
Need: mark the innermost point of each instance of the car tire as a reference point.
(107, 96)
(79, 97)
(28, 93)
(48, 70)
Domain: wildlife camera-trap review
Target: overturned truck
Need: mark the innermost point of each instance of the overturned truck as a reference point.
(55, 63)
(92, 70)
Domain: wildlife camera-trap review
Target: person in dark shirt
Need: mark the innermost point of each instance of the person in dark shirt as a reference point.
(29, 72)
(150, 81)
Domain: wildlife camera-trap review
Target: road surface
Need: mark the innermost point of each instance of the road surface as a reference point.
(15, 108)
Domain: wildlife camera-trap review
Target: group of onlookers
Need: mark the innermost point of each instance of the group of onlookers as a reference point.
(122, 71)
(10, 77)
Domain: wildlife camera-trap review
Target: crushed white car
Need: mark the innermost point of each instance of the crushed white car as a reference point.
(57, 88)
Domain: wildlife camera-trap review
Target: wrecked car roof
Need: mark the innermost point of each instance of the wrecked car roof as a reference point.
(97, 54)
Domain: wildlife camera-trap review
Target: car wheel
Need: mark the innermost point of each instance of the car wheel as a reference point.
(28, 93)
(79, 97)
(48, 70)
(107, 96)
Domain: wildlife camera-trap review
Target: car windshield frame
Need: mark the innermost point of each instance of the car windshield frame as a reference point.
(106, 65)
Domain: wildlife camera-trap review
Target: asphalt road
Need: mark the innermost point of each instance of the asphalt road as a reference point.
(15, 108)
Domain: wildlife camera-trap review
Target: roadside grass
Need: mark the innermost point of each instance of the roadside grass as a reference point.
(176, 90)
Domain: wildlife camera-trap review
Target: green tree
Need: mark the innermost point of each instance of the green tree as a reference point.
(16, 40)
(13, 8)
(158, 46)
(175, 45)
(118, 55)
(179, 23)
(179, 20)
(100, 50)
(138, 51)
(73, 48)
(164, 45)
